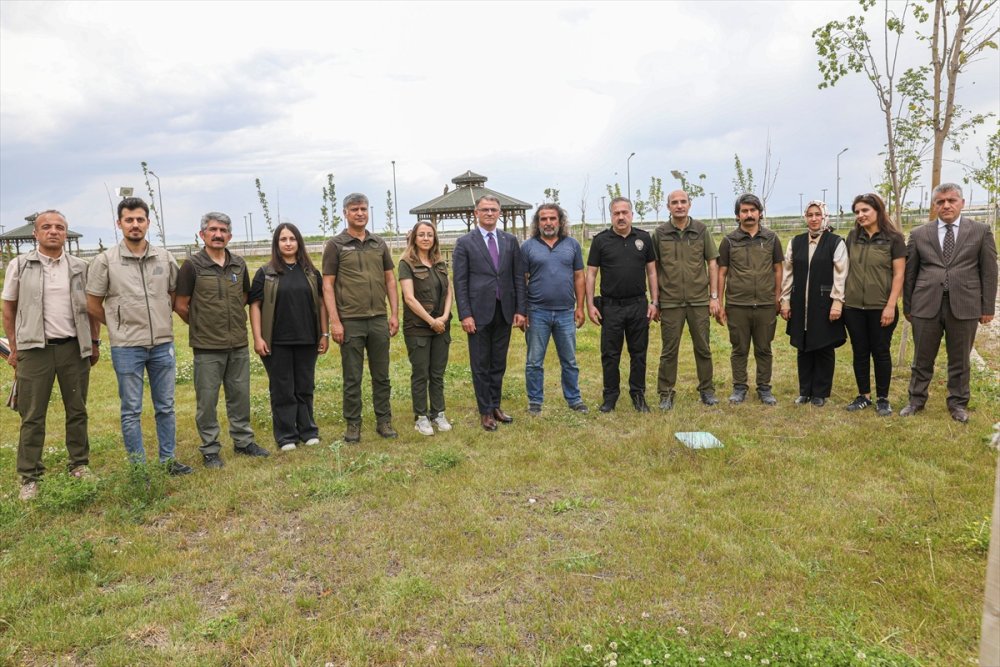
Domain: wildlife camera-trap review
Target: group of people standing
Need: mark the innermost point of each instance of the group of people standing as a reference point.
(825, 287)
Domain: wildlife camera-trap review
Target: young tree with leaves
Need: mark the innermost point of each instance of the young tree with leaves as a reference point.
(390, 224)
(656, 199)
(263, 204)
(693, 190)
(614, 191)
(552, 195)
(640, 205)
(152, 206)
(743, 183)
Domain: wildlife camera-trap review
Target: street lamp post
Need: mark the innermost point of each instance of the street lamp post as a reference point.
(824, 194)
(838, 184)
(159, 191)
(801, 211)
(628, 174)
(250, 214)
(604, 219)
(246, 226)
(395, 195)
(711, 207)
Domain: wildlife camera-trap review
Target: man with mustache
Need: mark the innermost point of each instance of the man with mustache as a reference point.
(212, 290)
(750, 270)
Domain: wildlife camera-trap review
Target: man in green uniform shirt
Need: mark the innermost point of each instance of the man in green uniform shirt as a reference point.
(750, 270)
(687, 275)
(357, 279)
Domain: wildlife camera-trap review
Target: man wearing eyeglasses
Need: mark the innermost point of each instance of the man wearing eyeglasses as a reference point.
(949, 289)
(490, 293)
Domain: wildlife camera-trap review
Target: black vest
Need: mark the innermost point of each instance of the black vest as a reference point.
(813, 330)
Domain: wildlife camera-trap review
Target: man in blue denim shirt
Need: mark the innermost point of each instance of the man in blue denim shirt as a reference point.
(554, 271)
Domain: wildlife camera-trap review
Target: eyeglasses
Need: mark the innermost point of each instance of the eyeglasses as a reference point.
(492, 211)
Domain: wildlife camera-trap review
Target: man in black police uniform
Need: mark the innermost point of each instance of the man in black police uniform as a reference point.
(625, 258)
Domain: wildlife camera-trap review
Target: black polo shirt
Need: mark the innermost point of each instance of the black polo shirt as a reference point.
(622, 262)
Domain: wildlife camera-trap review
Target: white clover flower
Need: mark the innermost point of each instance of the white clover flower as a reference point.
(647, 661)
(587, 648)
(860, 655)
(742, 635)
(682, 631)
(795, 629)
(760, 613)
(613, 646)
(748, 658)
(613, 663)
(701, 658)
(666, 656)
(645, 614)
(728, 654)
(765, 661)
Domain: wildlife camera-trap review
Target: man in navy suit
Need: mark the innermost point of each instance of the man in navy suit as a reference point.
(490, 293)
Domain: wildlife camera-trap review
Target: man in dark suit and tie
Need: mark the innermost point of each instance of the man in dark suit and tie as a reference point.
(490, 293)
(950, 288)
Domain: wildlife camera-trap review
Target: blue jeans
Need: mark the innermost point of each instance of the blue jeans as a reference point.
(558, 325)
(161, 364)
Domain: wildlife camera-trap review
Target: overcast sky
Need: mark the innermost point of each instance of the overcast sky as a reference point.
(533, 95)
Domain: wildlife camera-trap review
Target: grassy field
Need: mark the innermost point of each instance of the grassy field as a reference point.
(813, 537)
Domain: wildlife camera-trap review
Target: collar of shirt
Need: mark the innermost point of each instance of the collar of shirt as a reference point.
(486, 235)
(50, 261)
(942, 224)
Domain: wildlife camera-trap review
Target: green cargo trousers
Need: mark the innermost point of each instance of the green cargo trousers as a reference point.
(372, 335)
(37, 369)
(751, 324)
(671, 327)
(230, 370)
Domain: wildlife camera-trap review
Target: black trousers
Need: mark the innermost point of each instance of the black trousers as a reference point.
(291, 372)
(488, 360)
(624, 323)
(816, 372)
(870, 342)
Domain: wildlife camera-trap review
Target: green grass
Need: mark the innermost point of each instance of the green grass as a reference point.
(819, 535)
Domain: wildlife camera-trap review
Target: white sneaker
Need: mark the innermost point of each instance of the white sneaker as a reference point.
(423, 426)
(312, 442)
(288, 447)
(442, 422)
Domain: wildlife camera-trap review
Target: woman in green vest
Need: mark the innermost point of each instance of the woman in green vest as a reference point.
(877, 255)
(423, 276)
(289, 326)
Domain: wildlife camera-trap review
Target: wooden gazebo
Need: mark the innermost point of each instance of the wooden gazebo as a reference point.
(460, 203)
(11, 241)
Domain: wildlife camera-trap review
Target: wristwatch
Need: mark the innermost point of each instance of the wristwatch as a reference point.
(655, 304)
(715, 296)
(96, 342)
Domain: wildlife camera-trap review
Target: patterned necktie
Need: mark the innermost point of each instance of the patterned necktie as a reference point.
(948, 247)
(491, 244)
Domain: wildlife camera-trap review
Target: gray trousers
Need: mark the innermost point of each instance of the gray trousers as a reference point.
(229, 369)
(959, 337)
(37, 370)
(369, 335)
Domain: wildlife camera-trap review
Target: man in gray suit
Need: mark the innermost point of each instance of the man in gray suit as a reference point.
(950, 288)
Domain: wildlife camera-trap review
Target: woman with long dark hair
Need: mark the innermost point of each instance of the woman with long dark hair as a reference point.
(423, 276)
(877, 253)
(289, 326)
(812, 298)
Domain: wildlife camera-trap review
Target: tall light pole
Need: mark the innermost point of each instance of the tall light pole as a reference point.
(711, 207)
(251, 225)
(920, 205)
(824, 195)
(159, 191)
(394, 195)
(604, 220)
(246, 226)
(801, 211)
(838, 184)
(628, 174)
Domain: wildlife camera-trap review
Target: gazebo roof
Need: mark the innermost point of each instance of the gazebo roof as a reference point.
(463, 198)
(27, 233)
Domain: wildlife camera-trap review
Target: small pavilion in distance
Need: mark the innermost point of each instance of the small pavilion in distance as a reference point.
(460, 203)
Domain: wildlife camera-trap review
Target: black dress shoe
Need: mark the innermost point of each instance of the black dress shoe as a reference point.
(607, 406)
(818, 401)
(639, 402)
(960, 415)
(502, 416)
(488, 422)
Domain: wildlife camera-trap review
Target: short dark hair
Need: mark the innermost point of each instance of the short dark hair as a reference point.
(616, 200)
(748, 199)
(130, 204)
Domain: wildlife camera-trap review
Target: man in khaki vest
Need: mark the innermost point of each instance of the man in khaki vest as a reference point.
(358, 278)
(51, 337)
